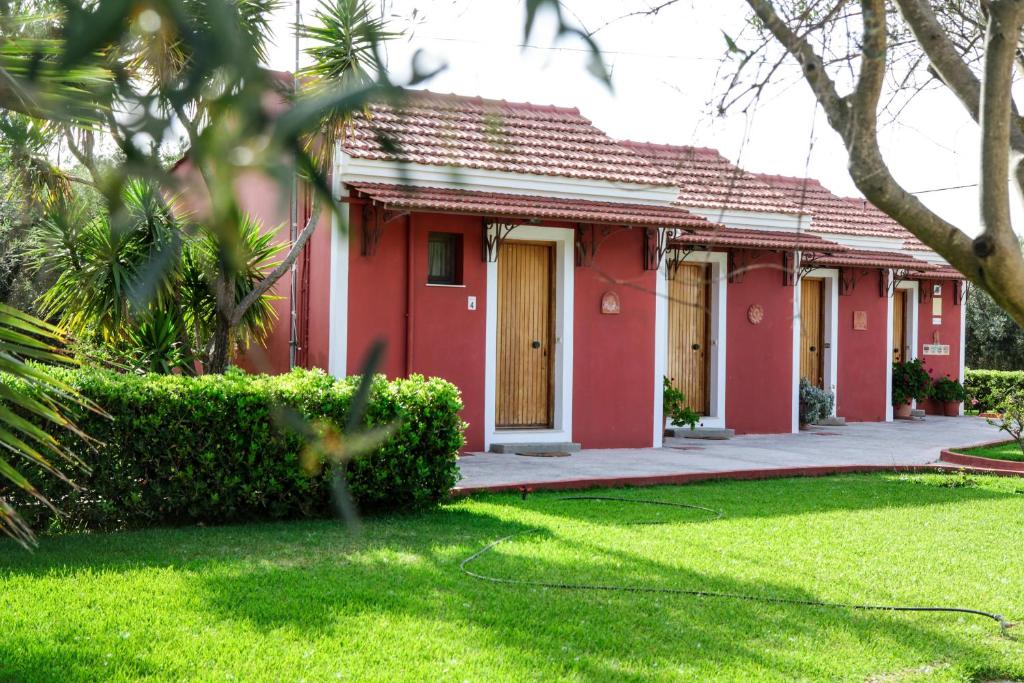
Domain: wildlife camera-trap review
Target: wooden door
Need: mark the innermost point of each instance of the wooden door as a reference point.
(525, 335)
(899, 326)
(689, 311)
(812, 331)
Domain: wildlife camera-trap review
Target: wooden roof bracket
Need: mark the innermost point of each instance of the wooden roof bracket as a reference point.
(960, 291)
(789, 266)
(849, 276)
(655, 246)
(924, 293)
(590, 237)
(375, 218)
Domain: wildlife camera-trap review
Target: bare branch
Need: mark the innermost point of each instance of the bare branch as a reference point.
(264, 285)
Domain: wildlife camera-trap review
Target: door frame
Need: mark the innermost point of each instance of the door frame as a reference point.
(716, 339)
(910, 322)
(830, 335)
(563, 241)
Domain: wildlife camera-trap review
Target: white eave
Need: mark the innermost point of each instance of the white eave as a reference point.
(357, 170)
(893, 244)
(754, 220)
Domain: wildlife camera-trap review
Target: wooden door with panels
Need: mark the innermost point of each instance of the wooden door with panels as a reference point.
(689, 312)
(812, 329)
(525, 335)
(900, 348)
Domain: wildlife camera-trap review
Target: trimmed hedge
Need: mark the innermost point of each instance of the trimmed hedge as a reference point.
(987, 389)
(229, 448)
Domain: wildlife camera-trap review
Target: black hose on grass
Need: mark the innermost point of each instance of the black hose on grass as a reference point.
(1004, 625)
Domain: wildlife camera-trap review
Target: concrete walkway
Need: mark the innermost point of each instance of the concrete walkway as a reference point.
(879, 444)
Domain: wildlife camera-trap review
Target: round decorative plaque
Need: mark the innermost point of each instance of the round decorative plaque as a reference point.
(755, 314)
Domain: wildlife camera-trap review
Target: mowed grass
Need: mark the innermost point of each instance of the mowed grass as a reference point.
(1008, 450)
(310, 601)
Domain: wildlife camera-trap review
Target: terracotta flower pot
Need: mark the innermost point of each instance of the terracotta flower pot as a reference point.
(902, 410)
(951, 408)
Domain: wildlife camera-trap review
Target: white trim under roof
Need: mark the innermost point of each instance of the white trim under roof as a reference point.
(357, 170)
(928, 256)
(753, 220)
(871, 243)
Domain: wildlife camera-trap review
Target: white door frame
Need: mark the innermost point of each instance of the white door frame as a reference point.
(716, 339)
(830, 337)
(910, 314)
(564, 240)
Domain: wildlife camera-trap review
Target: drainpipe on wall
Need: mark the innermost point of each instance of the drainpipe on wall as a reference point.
(409, 297)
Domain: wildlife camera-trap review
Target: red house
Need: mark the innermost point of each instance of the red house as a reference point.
(556, 275)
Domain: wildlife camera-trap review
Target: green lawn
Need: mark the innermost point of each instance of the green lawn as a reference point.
(307, 601)
(1008, 450)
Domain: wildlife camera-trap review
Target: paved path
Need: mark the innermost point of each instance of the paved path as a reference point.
(900, 443)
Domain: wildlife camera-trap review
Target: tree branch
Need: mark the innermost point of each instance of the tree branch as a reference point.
(823, 87)
(264, 285)
(1002, 34)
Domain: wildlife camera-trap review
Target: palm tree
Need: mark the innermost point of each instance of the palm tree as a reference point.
(141, 279)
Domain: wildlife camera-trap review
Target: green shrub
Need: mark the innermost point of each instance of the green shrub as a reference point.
(910, 381)
(1011, 417)
(815, 402)
(948, 390)
(988, 389)
(229, 448)
(675, 407)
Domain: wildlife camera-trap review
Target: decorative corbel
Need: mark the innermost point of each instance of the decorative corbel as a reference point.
(494, 233)
(655, 245)
(789, 266)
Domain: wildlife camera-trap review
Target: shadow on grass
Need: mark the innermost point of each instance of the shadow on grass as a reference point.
(595, 634)
(316, 577)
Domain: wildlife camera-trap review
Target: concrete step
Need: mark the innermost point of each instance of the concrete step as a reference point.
(917, 413)
(716, 433)
(832, 421)
(536, 447)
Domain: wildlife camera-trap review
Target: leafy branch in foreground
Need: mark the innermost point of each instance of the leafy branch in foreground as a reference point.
(27, 392)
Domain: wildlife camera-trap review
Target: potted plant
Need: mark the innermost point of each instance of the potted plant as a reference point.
(675, 407)
(950, 393)
(815, 403)
(910, 381)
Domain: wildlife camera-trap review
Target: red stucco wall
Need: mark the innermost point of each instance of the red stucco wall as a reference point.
(613, 372)
(759, 358)
(863, 363)
(447, 340)
(947, 332)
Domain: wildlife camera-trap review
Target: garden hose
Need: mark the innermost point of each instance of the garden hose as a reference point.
(1004, 625)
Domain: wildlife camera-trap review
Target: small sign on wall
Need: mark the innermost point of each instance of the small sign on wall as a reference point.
(860, 320)
(937, 306)
(936, 349)
(610, 304)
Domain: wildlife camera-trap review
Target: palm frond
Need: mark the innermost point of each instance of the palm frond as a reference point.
(31, 397)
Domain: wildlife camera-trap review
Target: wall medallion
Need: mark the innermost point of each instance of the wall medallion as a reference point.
(755, 314)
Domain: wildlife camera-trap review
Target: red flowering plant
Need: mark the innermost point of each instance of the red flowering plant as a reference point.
(910, 381)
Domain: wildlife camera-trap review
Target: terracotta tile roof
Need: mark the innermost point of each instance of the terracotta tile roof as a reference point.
(833, 214)
(757, 239)
(503, 205)
(706, 179)
(944, 273)
(860, 258)
(472, 132)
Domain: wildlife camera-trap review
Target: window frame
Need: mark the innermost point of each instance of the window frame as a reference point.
(452, 242)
